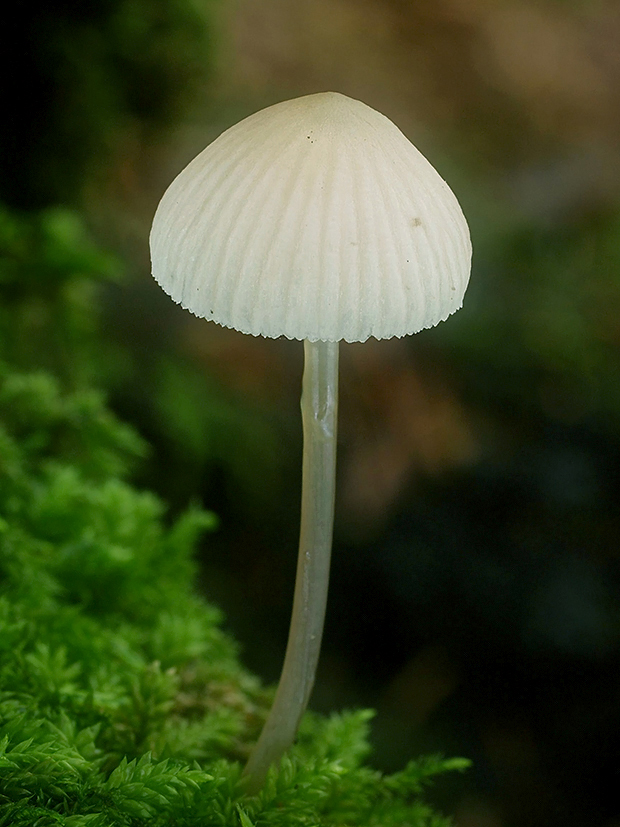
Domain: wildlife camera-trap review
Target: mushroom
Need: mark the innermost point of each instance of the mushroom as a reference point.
(314, 219)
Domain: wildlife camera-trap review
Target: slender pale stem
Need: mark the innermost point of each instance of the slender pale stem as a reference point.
(319, 408)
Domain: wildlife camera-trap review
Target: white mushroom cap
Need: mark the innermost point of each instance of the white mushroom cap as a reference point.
(313, 219)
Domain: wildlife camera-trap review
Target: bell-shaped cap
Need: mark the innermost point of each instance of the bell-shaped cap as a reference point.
(313, 219)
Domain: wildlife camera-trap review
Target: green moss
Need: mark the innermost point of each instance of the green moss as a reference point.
(122, 700)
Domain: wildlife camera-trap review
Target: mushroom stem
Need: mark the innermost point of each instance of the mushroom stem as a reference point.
(319, 408)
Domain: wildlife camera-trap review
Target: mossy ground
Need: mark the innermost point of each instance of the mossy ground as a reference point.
(122, 700)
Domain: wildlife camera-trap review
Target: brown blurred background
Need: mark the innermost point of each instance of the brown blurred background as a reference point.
(476, 580)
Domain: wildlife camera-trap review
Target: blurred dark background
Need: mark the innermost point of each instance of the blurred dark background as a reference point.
(475, 598)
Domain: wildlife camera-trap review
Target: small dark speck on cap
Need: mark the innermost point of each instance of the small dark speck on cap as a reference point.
(416, 222)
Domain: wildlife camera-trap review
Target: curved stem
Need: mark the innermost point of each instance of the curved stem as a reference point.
(319, 408)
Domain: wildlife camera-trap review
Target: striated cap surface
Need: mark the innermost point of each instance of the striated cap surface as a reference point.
(313, 219)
